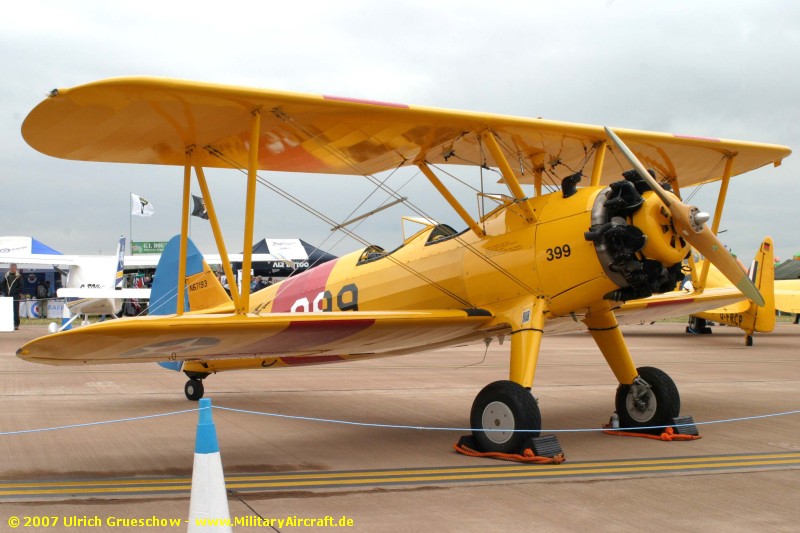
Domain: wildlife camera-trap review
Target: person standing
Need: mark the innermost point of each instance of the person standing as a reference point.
(11, 286)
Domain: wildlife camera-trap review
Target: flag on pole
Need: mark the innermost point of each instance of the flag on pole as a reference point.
(141, 207)
(199, 207)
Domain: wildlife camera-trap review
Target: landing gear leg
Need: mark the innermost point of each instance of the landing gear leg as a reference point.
(505, 413)
(646, 396)
(605, 331)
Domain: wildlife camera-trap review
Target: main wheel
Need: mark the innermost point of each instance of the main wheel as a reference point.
(510, 411)
(748, 340)
(698, 326)
(194, 389)
(656, 406)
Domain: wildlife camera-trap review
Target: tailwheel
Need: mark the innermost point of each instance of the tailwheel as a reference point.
(652, 400)
(194, 389)
(510, 411)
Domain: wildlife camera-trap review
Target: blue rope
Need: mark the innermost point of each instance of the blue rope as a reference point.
(87, 424)
(433, 428)
(388, 426)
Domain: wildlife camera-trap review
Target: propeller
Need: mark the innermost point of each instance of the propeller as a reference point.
(690, 222)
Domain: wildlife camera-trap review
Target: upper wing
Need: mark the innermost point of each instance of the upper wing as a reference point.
(675, 304)
(151, 120)
(285, 335)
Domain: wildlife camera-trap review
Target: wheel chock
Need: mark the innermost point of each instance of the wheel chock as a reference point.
(544, 446)
(684, 425)
(535, 450)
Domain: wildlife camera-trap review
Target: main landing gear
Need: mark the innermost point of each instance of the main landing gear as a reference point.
(504, 415)
(651, 400)
(698, 326)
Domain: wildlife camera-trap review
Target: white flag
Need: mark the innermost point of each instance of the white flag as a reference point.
(141, 207)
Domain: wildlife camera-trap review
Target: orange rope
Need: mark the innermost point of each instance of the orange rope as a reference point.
(527, 456)
(668, 435)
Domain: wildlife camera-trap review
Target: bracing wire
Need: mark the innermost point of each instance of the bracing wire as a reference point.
(331, 222)
(348, 162)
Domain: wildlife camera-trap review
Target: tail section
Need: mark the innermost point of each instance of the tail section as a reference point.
(747, 315)
(203, 289)
(764, 279)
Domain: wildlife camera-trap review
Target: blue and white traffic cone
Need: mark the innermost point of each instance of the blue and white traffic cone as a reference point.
(208, 504)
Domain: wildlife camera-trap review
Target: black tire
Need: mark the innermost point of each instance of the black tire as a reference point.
(504, 405)
(194, 390)
(698, 326)
(658, 407)
(748, 340)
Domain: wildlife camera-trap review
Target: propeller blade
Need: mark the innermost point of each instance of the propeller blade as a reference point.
(658, 189)
(691, 224)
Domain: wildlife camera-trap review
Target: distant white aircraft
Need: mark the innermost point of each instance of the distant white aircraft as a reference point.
(94, 282)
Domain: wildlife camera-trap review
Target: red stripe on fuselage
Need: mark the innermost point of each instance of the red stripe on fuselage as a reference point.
(306, 285)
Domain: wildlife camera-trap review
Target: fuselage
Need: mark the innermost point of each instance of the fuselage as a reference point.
(439, 269)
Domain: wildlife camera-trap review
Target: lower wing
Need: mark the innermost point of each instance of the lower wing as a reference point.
(285, 335)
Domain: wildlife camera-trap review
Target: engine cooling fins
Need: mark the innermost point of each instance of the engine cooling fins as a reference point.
(619, 243)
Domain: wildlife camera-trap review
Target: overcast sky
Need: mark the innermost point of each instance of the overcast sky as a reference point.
(712, 68)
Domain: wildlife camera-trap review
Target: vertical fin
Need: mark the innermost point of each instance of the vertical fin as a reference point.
(164, 292)
(208, 292)
(163, 295)
(763, 277)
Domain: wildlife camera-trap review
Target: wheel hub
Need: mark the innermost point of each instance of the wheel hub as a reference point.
(641, 407)
(498, 422)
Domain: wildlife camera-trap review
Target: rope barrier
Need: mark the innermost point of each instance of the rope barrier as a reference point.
(435, 428)
(391, 426)
(88, 424)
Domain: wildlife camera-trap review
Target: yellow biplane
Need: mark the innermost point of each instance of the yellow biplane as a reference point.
(537, 263)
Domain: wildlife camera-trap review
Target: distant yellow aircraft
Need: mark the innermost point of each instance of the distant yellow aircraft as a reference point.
(746, 314)
(537, 263)
(787, 295)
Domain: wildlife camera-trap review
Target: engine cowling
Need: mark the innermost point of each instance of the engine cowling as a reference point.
(635, 240)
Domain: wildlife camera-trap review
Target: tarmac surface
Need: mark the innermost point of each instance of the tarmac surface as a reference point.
(135, 475)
